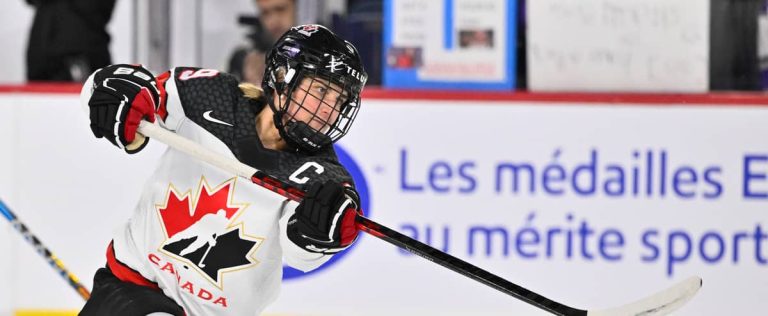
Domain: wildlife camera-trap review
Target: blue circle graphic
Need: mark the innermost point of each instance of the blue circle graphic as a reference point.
(362, 188)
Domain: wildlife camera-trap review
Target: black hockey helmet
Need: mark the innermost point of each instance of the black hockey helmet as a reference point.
(312, 67)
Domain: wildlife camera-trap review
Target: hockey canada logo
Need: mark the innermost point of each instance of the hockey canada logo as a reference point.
(307, 30)
(203, 230)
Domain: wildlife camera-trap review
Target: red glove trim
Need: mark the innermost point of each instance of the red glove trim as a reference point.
(162, 110)
(348, 228)
(143, 106)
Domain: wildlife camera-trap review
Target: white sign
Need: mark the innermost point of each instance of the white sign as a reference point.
(619, 45)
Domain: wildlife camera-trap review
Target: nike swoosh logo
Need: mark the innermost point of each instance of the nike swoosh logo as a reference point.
(207, 116)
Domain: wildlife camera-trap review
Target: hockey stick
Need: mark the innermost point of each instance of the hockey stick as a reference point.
(43, 251)
(658, 304)
(205, 255)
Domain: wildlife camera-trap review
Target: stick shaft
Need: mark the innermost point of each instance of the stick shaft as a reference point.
(43, 251)
(375, 229)
(464, 268)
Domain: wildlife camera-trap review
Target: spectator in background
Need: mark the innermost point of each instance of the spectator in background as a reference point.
(275, 18)
(68, 39)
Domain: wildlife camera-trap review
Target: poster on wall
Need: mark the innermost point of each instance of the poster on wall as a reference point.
(450, 44)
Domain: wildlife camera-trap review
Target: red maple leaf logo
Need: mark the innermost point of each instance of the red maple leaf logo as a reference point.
(181, 211)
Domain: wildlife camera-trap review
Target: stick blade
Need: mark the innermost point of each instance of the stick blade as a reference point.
(661, 303)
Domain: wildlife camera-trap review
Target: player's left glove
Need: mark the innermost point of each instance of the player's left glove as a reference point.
(324, 222)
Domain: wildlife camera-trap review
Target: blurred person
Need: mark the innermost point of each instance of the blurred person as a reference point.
(247, 61)
(68, 39)
(275, 18)
(198, 243)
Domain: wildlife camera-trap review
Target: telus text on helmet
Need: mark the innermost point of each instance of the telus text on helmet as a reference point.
(356, 74)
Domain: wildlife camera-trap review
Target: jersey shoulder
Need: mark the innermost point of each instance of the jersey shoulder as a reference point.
(213, 100)
(203, 90)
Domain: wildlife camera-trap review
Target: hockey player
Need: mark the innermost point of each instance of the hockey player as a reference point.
(200, 242)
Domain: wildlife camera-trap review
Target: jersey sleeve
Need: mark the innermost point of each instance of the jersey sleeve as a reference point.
(202, 95)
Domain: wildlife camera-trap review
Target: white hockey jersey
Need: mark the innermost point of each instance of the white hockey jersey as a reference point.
(210, 241)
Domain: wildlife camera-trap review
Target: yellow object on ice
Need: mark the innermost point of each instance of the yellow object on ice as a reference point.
(44, 312)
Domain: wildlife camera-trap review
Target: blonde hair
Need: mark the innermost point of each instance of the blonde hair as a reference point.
(251, 90)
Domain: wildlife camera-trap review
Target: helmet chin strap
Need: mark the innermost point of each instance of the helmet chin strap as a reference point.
(301, 135)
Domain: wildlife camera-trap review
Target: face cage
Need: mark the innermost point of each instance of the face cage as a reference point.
(326, 105)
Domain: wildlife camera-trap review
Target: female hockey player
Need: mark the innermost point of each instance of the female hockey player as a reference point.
(200, 242)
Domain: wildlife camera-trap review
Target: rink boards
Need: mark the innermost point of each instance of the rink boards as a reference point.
(589, 201)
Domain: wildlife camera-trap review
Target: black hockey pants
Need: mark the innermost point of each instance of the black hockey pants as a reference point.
(111, 296)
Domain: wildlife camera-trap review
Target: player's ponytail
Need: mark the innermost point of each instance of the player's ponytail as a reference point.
(251, 90)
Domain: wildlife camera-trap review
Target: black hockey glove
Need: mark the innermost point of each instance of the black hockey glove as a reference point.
(122, 96)
(324, 222)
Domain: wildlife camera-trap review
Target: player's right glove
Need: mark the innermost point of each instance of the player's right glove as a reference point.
(324, 222)
(122, 96)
